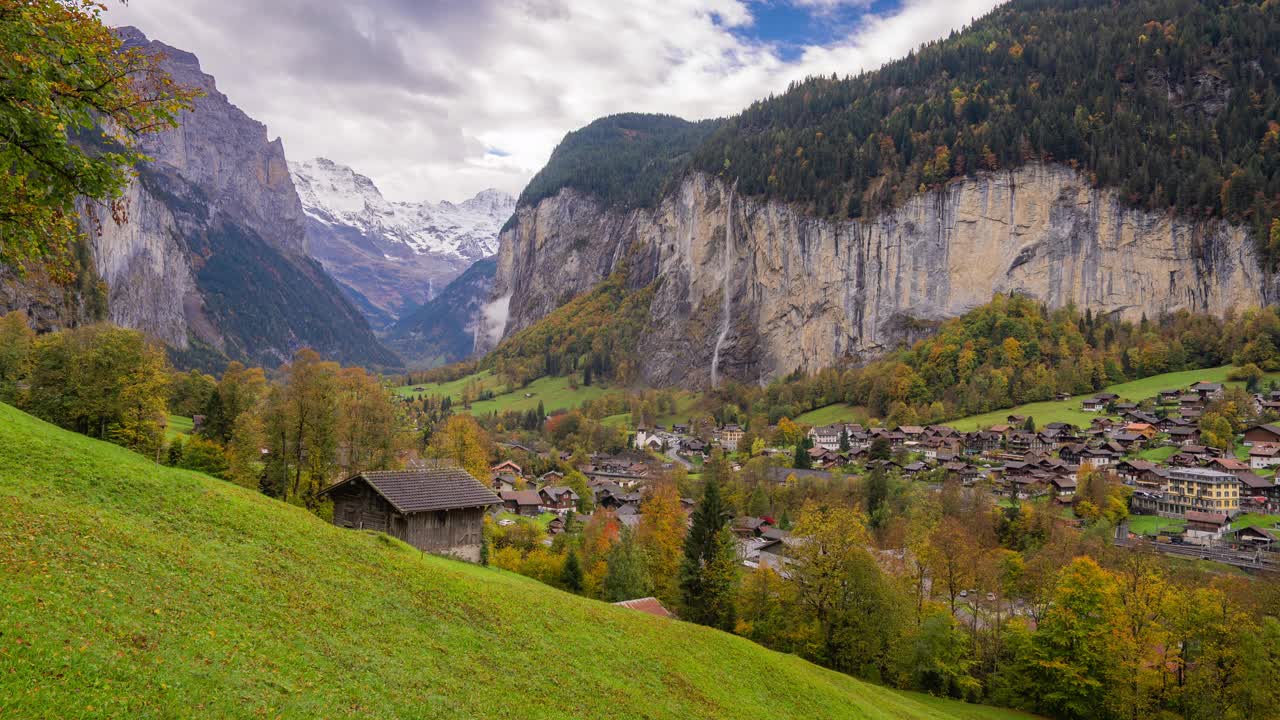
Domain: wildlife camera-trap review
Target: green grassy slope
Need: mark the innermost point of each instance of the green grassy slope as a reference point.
(132, 590)
(553, 392)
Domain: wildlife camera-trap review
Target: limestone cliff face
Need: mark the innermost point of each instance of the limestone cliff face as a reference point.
(805, 293)
(206, 251)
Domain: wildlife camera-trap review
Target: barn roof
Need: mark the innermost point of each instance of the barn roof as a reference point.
(649, 605)
(414, 491)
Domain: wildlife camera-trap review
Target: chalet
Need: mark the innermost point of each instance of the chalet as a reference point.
(911, 433)
(558, 499)
(1184, 435)
(507, 466)
(1262, 434)
(1251, 538)
(1064, 487)
(503, 482)
(550, 478)
(1190, 401)
(1133, 471)
(1229, 465)
(1259, 490)
(522, 502)
(1099, 402)
(914, 469)
(556, 526)
(748, 526)
(1145, 429)
(1168, 397)
(1130, 441)
(1264, 455)
(1204, 528)
(1124, 407)
(437, 510)
(1207, 390)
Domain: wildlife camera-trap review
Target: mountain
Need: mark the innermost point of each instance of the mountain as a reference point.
(392, 257)
(141, 591)
(208, 253)
(445, 329)
(1121, 157)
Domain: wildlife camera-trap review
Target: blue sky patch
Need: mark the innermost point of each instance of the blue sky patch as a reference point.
(790, 27)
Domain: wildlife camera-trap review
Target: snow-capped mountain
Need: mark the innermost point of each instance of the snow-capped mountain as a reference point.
(392, 256)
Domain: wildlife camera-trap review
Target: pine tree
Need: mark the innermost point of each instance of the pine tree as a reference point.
(844, 440)
(628, 574)
(571, 574)
(702, 585)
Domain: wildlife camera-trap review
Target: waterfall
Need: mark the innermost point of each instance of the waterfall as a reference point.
(728, 294)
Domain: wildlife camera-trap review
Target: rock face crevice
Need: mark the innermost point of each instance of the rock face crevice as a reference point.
(810, 293)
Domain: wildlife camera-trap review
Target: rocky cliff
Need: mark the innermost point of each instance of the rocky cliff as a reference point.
(805, 293)
(207, 251)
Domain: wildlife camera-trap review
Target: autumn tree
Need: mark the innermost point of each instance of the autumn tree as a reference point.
(462, 440)
(301, 428)
(661, 538)
(74, 103)
(368, 421)
(16, 342)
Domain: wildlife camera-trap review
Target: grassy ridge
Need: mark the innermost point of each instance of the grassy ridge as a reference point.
(132, 590)
(553, 392)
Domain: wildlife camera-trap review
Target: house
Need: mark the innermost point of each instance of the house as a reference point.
(556, 526)
(522, 502)
(1207, 390)
(1262, 434)
(1229, 464)
(558, 499)
(1264, 455)
(1184, 435)
(729, 436)
(1204, 528)
(1095, 404)
(1064, 487)
(550, 478)
(1251, 538)
(648, 605)
(1258, 490)
(507, 466)
(437, 510)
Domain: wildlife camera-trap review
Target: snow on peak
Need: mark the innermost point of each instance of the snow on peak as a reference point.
(336, 195)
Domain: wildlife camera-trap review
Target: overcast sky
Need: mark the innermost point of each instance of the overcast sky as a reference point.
(437, 99)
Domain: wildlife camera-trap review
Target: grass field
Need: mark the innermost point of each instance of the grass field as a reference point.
(553, 392)
(1158, 454)
(834, 414)
(1254, 520)
(178, 427)
(1151, 525)
(132, 590)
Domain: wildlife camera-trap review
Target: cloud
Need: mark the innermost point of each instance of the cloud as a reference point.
(420, 95)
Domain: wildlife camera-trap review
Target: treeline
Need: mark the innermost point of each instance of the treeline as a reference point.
(593, 336)
(1014, 350)
(1175, 103)
(288, 435)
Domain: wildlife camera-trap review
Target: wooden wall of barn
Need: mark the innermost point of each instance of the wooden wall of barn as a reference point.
(357, 506)
(456, 532)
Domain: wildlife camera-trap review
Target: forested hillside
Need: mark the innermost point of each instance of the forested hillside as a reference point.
(624, 159)
(1175, 102)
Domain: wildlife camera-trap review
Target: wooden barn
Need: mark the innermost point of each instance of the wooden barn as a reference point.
(437, 510)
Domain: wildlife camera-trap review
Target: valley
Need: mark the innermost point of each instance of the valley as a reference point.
(900, 360)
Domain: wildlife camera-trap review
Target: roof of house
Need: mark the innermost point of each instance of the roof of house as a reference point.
(522, 497)
(1254, 481)
(646, 605)
(414, 491)
(1209, 518)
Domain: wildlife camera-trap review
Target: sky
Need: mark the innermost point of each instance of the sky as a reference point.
(439, 99)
